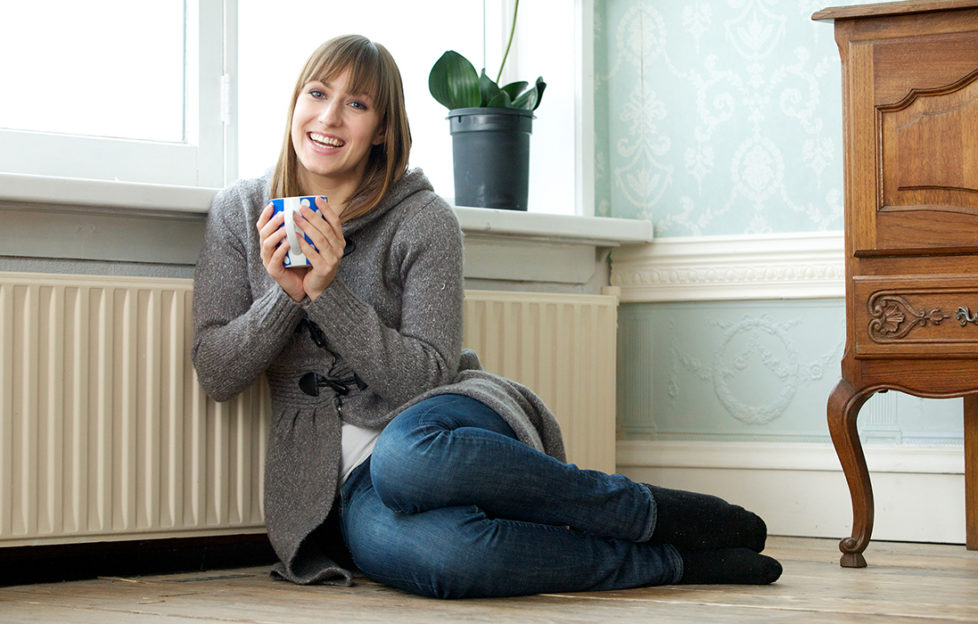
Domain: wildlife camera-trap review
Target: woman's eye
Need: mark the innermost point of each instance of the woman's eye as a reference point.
(359, 105)
(316, 93)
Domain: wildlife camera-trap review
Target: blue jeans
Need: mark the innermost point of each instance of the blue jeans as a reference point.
(452, 505)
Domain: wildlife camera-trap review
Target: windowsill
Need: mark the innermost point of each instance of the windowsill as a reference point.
(132, 198)
(104, 195)
(599, 231)
(151, 224)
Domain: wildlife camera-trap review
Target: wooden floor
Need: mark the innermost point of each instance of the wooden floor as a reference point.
(903, 583)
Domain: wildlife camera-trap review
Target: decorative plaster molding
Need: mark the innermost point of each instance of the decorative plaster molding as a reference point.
(779, 266)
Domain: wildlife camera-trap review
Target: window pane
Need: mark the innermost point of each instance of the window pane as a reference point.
(112, 68)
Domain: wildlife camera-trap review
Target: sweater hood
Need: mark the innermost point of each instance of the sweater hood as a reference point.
(413, 181)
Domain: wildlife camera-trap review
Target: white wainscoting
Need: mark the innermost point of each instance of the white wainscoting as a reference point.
(799, 488)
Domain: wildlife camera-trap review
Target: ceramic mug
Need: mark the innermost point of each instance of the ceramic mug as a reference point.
(290, 206)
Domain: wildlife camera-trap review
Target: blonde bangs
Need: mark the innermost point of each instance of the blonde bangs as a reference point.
(362, 62)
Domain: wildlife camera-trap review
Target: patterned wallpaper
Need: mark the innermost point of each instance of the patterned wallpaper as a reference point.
(718, 116)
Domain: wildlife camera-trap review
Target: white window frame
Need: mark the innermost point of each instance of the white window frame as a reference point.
(584, 107)
(206, 157)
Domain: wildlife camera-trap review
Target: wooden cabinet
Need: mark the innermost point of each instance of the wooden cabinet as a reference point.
(910, 115)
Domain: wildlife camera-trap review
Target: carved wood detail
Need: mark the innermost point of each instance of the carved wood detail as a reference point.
(892, 317)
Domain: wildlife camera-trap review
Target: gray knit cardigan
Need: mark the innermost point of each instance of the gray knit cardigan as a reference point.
(392, 316)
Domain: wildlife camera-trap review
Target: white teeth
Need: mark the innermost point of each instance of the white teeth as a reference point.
(325, 140)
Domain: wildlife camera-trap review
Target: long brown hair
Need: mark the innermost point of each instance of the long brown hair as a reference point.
(372, 72)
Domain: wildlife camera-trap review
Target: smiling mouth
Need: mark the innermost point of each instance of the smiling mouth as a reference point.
(324, 141)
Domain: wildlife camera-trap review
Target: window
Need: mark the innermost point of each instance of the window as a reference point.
(113, 89)
(195, 92)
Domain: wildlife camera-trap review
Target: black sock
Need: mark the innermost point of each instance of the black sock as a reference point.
(738, 566)
(693, 521)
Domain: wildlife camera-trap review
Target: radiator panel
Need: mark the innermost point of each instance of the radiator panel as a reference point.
(562, 347)
(105, 433)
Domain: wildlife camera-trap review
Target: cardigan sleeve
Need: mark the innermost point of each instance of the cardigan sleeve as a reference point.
(236, 336)
(423, 352)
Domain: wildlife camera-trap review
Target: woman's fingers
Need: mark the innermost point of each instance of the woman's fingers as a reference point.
(272, 248)
(268, 223)
(265, 215)
(325, 230)
(271, 238)
(323, 227)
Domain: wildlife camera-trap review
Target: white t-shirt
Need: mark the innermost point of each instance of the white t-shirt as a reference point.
(358, 443)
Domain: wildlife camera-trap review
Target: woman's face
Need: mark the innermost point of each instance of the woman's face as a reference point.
(332, 132)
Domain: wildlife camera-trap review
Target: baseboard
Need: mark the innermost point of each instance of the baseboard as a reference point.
(800, 490)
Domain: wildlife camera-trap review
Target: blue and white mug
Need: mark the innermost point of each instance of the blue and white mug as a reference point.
(290, 206)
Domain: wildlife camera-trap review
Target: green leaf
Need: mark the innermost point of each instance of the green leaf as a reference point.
(453, 82)
(541, 85)
(488, 88)
(514, 89)
(501, 100)
(530, 98)
(527, 99)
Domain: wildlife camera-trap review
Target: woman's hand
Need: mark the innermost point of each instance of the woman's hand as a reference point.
(273, 247)
(325, 230)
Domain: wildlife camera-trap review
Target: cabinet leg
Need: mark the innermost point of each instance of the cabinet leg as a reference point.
(971, 470)
(842, 411)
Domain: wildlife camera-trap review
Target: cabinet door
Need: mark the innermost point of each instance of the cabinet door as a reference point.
(913, 163)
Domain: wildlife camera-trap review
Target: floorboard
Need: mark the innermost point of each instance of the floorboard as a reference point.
(903, 583)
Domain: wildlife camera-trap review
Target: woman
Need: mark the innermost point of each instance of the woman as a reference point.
(390, 451)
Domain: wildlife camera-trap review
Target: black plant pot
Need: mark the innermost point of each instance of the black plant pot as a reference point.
(491, 149)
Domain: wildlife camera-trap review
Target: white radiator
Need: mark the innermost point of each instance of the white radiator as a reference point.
(105, 434)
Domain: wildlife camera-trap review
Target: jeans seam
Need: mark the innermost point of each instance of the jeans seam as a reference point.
(551, 528)
(653, 516)
(677, 561)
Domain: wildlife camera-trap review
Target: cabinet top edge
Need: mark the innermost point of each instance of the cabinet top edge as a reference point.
(891, 8)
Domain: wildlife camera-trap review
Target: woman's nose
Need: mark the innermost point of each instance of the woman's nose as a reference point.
(330, 114)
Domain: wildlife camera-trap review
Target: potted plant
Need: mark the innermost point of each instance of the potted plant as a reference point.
(490, 127)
